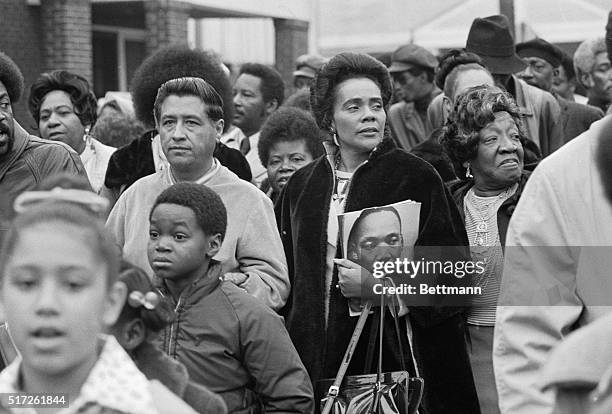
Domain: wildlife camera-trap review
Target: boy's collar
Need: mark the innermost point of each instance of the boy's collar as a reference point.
(210, 280)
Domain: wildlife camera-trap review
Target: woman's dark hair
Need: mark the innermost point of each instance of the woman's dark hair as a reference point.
(450, 60)
(11, 77)
(207, 206)
(137, 280)
(76, 86)
(473, 111)
(341, 67)
(289, 124)
(175, 62)
(272, 85)
(191, 86)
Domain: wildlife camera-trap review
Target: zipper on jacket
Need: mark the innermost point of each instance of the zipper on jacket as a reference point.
(171, 340)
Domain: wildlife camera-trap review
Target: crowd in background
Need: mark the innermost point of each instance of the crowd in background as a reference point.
(177, 248)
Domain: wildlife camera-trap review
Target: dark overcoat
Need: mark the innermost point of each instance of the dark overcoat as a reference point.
(390, 175)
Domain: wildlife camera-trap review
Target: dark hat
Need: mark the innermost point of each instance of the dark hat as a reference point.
(540, 48)
(307, 65)
(405, 57)
(491, 39)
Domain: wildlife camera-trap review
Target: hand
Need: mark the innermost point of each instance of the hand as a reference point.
(355, 281)
(235, 277)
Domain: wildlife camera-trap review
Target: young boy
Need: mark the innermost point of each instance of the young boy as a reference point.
(60, 293)
(228, 340)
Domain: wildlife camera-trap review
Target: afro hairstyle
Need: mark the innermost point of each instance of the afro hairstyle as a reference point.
(289, 125)
(11, 77)
(207, 206)
(176, 62)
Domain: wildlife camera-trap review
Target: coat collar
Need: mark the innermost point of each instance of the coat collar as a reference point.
(385, 145)
(202, 286)
(21, 139)
(459, 189)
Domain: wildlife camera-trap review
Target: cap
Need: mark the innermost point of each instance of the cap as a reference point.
(540, 48)
(307, 65)
(408, 55)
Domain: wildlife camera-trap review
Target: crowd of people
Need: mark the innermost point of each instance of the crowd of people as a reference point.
(181, 248)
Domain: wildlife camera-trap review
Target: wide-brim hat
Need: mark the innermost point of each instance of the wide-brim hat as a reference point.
(491, 39)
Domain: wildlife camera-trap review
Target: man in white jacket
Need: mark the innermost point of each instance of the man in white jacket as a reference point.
(557, 266)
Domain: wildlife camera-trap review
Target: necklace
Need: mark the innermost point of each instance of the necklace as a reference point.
(483, 214)
(342, 180)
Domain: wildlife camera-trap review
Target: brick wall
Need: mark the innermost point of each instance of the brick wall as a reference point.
(20, 38)
(291, 42)
(66, 36)
(166, 22)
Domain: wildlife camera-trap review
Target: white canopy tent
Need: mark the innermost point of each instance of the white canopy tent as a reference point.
(437, 24)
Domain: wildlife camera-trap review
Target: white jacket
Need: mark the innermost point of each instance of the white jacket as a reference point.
(550, 284)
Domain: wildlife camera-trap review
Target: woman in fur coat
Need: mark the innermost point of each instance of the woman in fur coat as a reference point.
(363, 169)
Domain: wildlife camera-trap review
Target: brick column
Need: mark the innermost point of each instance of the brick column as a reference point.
(66, 32)
(166, 22)
(291, 42)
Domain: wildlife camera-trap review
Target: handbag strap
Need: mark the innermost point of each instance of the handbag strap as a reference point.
(332, 393)
(369, 364)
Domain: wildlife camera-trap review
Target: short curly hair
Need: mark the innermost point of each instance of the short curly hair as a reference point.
(454, 62)
(584, 56)
(473, 111)
(207, 206)
(177, 62)
(11, 77)
(289, 124)
(272, 85)
(341, 67)
(76, 86)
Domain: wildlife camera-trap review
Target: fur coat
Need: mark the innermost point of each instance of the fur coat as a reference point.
(390, 175)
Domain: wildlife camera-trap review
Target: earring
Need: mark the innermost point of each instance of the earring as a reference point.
(87, 139)
(335, 138)
(468, 173)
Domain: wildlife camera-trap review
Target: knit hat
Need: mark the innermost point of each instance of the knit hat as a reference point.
(491, 39)
(408, 55)
(540, 48)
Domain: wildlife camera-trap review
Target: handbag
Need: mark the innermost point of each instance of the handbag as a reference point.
(380, 393)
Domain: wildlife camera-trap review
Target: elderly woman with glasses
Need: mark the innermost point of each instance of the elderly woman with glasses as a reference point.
(484, 137)
(364, 169)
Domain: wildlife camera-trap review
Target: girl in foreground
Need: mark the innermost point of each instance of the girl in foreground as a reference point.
(60, 293)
